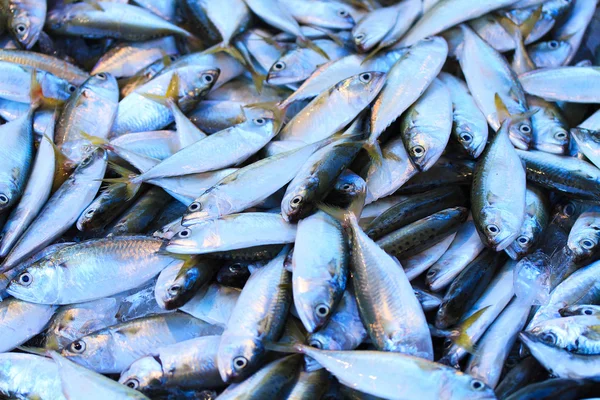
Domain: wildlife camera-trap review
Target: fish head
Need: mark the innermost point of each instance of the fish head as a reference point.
(293, 67)
(39, 283)
(498, 228)
(583, 242)
(525, 241)
(26, 27)
(549, 54)
(472, 143)
(186, 239)
(238, 357)
(94, 352)
(557, 8)
(520, 133)
(326, 340)
(102, 85)
(9, 192)
(557, 141)
(423, 148)
(464, 386)
(144, 373)
(179, 289)
(209, 205)
(363, 87)
(85, 220)
(552, 334)
(348, 187)
(264, 125)
(314, 301)
(336, 15)
(233, 273)
(297, 203)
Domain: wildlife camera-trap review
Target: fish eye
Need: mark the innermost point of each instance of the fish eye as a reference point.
(185, 233)
(431, 273)
(194, 206)
(21, 28)
(148, 75)
(549, 338)
(172, 58)
(235, 268)
(208, 78)
(493, 229)
(553, 44)
(360, 36)
(428, 38)
(560, 135)
(523, 239)
(525, 128)
(279, 65)
(569, 209)
(101, 75)
(296, 201)
(322, 310)
(587, 311)
(365, 78)
(418, 151)
(90, 212)
(466, 137)
(25, 279)
(447, 343)
(587, 244)
(173, 290)
(343, 13)
(346, 187)
(3, 199)
(259, 121)
(78, 346)
(240, 363)
(315, 343)
(71, 89)
(132, 383)
(477, 385)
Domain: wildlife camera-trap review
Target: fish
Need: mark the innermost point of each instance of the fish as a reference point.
(582, 238)
(47, 384)
(572, 84)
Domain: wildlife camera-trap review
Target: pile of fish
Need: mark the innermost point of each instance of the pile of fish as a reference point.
(299, 199)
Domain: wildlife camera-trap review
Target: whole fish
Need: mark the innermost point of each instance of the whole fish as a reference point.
(111, 350)
(469, 127)
(109, 20)
(61, 210)
(320, 269)
(242, 347)
(126, 256)
(498, 192)
(188, 364)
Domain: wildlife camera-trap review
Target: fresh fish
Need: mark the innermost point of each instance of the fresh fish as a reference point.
(79, 381)
(320, 269)
(465, 247)
(111, 350)
(24, 20)
(57, 67)
(109, 20)
(584, 309)
(583, 237)
(536, 219)
(324, 14)
(549, 54)
(258, 317)
(498, 192)
(417, 264)
(213, 304)
(189, 364)
(557, 388)
(572, 84)
(445, 172)
(15, 384)
(20, 321)
(587, 142)
(574, 27)
(114, 265)
(469, 127)
(577, 334)
(61, 210)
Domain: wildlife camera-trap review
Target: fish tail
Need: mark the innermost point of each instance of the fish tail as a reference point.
(521, 32)
(374, 151)
(501, 109)
(460, 337)
(38, 100)
(304, 42)
(297, 348)
(373, 53)
(131, 180)
(95, 140)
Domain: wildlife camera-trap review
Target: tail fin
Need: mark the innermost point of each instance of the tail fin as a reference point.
(257, 78)
(38, 100)
(127, 178)
(501, 109)
(94, 140)
(374, 151)
(304, 42)
(521, 60)
(459, 336)
(373, 53)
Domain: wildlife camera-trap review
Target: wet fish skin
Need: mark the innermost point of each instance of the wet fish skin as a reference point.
(21, 321)
(188, 364)
(575, 334)
(499, 191)
(414, 208)
(25, 20)
(584, 309)
(320, 269)
(47, 384)
(526, 372)
(557, 388)
(241, 350)
(62, 209)
(59, 68)
(572, 84)
(550, 129)
(111, 350)
(467, 288)
(445, 172)
(587, 141)
(417, 236)
(583, 237)
(549, 54)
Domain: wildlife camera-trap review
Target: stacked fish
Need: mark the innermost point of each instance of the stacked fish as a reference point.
(300, 199)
